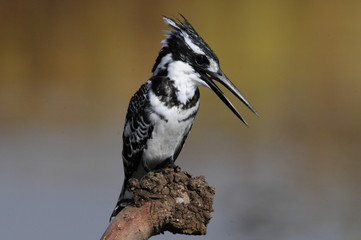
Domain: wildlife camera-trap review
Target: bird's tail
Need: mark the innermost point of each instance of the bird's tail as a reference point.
(124, 199)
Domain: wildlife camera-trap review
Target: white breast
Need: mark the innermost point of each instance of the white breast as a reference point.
(168, 131)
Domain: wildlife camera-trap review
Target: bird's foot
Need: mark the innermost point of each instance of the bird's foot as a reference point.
(175, 167)
(147, 169)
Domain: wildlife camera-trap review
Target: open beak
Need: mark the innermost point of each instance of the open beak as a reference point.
(222, 78)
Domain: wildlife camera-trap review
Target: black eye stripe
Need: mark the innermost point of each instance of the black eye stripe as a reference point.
(201, 60)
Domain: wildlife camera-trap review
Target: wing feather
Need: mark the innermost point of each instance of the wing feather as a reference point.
(137, 129)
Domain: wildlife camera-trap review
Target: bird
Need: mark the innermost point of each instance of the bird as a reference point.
(161, 113)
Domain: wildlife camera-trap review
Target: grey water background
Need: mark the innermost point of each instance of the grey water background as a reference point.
(68, 69)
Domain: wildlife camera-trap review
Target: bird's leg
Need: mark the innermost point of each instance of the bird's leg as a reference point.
(169, 162)
(146, 167)
(172, 164)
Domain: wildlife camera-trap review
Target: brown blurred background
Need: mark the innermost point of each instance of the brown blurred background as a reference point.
(69, 68)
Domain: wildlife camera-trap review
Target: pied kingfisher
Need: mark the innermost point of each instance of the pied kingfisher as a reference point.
(161, 113)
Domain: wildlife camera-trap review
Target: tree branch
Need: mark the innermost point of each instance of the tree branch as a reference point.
(168, 200)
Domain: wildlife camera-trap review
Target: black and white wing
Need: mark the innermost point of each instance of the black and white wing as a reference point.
(137, 130)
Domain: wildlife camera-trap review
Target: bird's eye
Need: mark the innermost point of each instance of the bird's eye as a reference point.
(201, 60)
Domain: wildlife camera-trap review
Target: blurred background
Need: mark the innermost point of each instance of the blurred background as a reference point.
(69, 68)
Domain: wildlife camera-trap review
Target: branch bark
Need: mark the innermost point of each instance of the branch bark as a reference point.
(168, 200)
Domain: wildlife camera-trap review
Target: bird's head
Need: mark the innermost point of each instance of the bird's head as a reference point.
(185, 46)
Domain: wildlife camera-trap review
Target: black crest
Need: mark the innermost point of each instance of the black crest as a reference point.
(177, 41)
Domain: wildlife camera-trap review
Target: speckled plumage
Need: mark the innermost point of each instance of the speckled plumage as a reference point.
(161, 113)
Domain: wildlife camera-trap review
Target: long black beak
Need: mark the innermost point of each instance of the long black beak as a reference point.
(222, 78)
